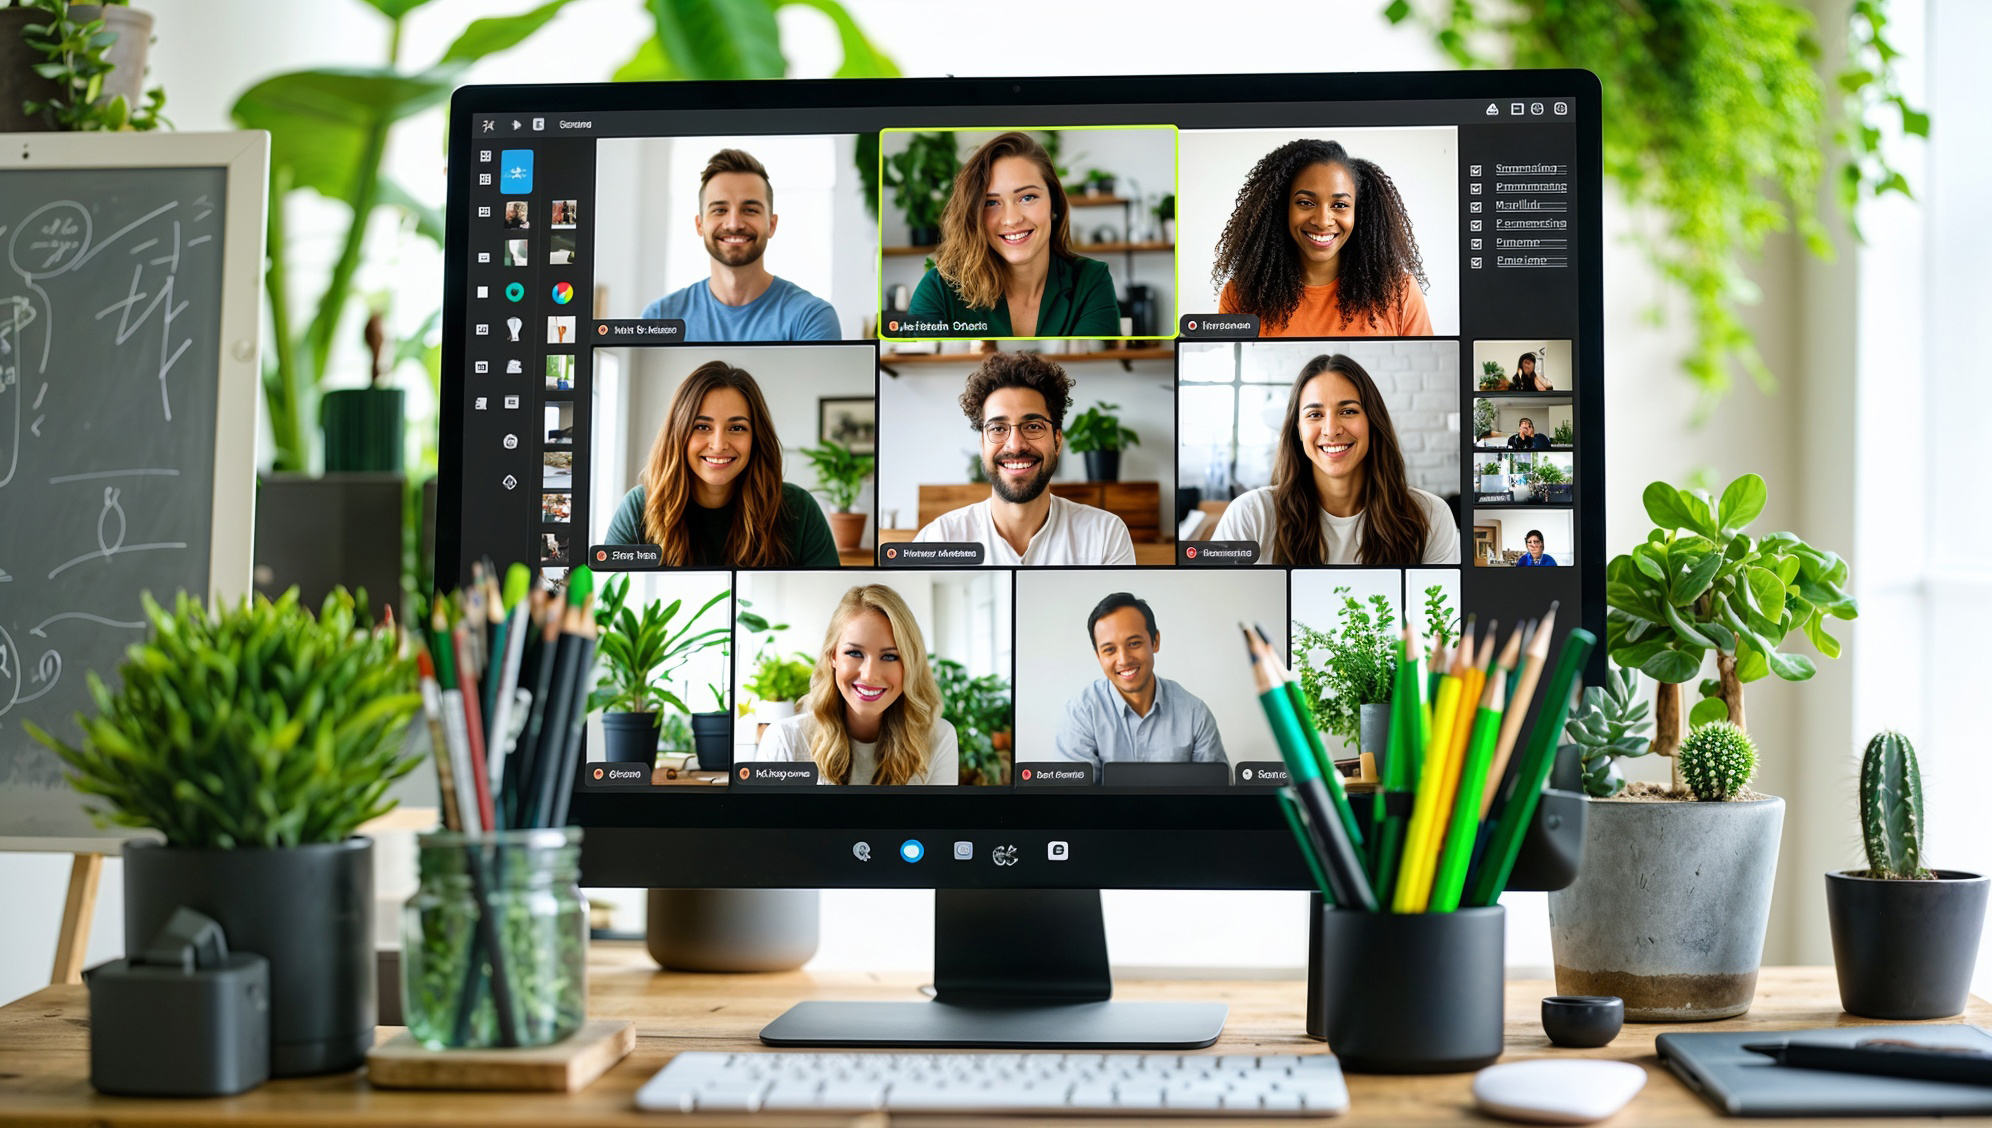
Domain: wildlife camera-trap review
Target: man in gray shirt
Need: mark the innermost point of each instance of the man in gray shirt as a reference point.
(1131, 714)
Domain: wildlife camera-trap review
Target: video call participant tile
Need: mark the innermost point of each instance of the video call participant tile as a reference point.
(992, 449)
(1323, 452)
(843, 673)
(744, 239)
(1361, 611)
(1523, 538)
(667, 745)
(1018, 250)
(709, 454)
(1508, 422)
(1523, 366)
(1132, 674)
(1323, 233)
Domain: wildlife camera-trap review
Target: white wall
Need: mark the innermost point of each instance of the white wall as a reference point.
(1144, 164)
(1200, 647)
(925, 439)
(1422, 162)
(1552, 359)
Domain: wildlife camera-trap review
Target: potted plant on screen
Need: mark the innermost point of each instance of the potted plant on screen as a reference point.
(1493, 378)
(1493, 478)
(1549, 483)
(979, 709)
(638, 652)
(1486, 417)
(840, 478)
(1097, 433)
(1345, 673)
(1905, 937)
(1669, 909)
(1165, 217)
(257, 739)
(1565, 434)
(921, 176)
(75, 67)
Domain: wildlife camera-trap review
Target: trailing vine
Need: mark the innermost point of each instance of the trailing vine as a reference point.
(1706, 103)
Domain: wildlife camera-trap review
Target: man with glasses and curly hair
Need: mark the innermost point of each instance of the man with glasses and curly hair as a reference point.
(1016, 402)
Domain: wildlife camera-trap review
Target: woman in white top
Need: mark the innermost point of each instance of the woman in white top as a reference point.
(873, 713)
(1339, 492)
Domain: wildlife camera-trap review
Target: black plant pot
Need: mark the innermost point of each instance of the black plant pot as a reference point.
(630, 738)
(1905, 949)
(712, 738)
(1103, 465)
(363, 430)
(308, 910)
(924, 236)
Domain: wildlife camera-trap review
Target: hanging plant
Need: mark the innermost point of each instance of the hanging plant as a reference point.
(1705, 104)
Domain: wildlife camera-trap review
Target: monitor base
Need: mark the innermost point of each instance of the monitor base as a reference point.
(1091, 1026)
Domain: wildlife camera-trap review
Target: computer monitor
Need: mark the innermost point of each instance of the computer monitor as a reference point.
(932, 409)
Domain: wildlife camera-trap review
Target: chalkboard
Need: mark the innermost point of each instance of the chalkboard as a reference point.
(127, 416)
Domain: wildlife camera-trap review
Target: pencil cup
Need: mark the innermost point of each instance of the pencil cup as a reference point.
(495, 941)
(1407, 993)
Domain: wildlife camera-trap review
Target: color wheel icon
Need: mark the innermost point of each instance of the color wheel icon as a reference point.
(563, 292)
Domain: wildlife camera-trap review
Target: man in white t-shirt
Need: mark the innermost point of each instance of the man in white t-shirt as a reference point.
(1017, 402)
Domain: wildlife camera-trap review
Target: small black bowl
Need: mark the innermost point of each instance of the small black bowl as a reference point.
(1582, 1021)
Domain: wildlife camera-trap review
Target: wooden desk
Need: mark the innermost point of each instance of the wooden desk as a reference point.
(44, 1054)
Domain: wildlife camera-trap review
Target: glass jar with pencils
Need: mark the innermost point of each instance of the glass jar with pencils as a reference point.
(495, 940)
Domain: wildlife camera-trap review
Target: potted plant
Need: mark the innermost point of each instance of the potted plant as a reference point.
(1565, 434)
(840, 477)
(777, 684)
(921, 176)
(1165, 217)
(638, 653)
(1905, 937)
(1669, 909)
(257, 739)
(1493, 478)
(1493, 378)
(1346, 673)
(1097, 433)
(75, 67)
(1549, 483)
(712, 733)
(979, 709)
(1098, 182)
(1485, 418)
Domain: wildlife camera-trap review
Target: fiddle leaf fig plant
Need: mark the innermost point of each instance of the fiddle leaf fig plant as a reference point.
(1700, 584)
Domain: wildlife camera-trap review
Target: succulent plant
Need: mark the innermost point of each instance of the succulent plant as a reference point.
(1891, 798)
(1610, 723)
(258, 726)
(1717, 761)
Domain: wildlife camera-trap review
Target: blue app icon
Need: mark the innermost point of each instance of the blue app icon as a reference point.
(515, 172)
(911, 850)
(516, 292)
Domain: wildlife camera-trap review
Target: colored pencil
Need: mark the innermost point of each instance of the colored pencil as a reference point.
(551, 747)
(1303, 836)
(1457, 850)
(577, 728)
(554, 614)
(473, 717)
(1414, 875)
(1535, 654)
(1398, 769)
(1305, 713)
(1498, 862)
(439, 744)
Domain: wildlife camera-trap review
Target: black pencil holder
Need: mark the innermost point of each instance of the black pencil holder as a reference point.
(1407, 993)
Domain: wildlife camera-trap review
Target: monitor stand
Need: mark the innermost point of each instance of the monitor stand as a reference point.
(1013, 968)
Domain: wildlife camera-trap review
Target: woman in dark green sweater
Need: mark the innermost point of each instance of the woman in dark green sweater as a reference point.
(1005, 266)
(712, 492)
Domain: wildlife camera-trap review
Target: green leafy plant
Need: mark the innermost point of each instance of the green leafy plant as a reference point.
(1609, 725)
(1493, 378)
(1441, 622)
(76, 58)
(1165, 208)
(1491, 469)
(1544, 473)
(1703, 104)
(674, 732)
(1485, 417)
(1351, 667)
(921, 176)
(1098, 428)
(1565, 434)
(979, 710)
(1700, 584)
(1891, 803)
(639, 651)
(261, 725)
(779, 679)
(1717, 761)
(840, 474)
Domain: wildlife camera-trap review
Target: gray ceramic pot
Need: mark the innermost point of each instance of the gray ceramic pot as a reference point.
(1906, 949)
(1669, 908)
(733, 929)
(1373, 732)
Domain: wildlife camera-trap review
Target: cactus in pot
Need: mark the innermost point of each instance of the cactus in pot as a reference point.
(1717, 761)
(1891, 799)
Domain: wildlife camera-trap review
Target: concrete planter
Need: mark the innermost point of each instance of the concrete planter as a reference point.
(733, 929)
(1669, 909)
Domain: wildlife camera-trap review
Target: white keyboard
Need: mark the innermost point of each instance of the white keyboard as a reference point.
(971, 1083)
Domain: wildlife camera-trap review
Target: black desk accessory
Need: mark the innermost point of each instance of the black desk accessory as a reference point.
(1582, 1021)
(1719, 1066)
(1887, 1057)
(185, 1018)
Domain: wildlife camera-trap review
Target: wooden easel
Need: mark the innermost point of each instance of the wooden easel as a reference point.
(86, 869)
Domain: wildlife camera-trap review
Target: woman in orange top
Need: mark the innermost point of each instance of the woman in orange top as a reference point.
(1319, 245)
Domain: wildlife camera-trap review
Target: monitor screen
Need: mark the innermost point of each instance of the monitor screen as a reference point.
(947, 431)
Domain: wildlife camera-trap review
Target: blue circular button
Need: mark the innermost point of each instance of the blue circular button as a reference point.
(911, 850)
(515, 292)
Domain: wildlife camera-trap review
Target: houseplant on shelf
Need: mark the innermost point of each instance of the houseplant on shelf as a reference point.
(638, 653)
(1493, 478)
(257, 739)
(840, 477)
(75, 67)
(1492, 377)
(1097, 433)
(1565, 434)
(1548, 482)
(921, 176)
(979, 709)
(1905, 937)
(1669, 909)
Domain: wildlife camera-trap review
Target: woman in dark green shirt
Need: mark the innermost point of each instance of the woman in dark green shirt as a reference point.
(1005, 266)
(712, 492)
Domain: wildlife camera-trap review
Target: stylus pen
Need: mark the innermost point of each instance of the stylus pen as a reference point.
(1885, 1056)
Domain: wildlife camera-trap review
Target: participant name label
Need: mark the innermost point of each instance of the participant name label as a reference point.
(930, 554)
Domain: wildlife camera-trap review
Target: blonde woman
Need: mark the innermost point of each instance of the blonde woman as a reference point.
(1005, 264)
(873, 714)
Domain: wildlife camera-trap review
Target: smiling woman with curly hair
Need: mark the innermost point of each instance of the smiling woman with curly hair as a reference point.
(1319, 245)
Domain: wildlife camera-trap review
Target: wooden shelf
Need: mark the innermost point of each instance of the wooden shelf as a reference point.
(893, 360)
(1077, 248)
(1081, 200)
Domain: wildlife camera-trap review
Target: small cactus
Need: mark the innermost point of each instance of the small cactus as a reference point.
(1891, 801)
(1611, 723)
(1717, 761)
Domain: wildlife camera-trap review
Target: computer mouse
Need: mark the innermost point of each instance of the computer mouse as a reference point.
(1552, 1091)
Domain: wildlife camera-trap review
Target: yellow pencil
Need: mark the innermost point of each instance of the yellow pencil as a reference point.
(1518, 707)
(1414, 878)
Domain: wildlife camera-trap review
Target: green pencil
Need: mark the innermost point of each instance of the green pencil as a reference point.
(1405, 706)
(1297, 822)
(1465, 824)
(1499, 860)
(1305, 715)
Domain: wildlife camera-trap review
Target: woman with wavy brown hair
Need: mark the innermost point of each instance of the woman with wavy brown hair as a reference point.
(1005, 266)
(1340, 494)
(873, 711)
(712, 492)
(1319, 245)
